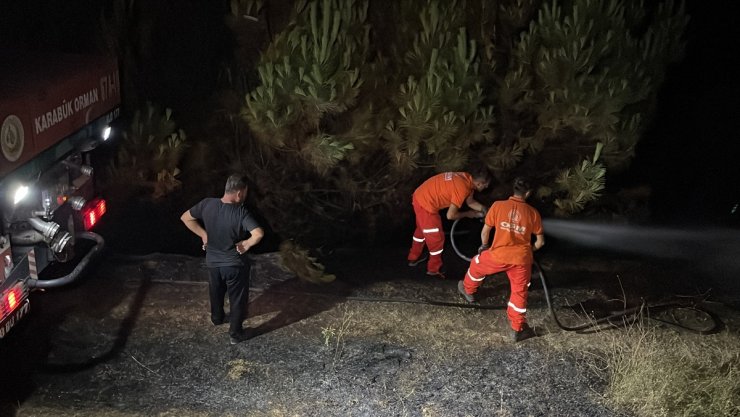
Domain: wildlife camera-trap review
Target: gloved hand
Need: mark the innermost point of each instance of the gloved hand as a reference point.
(481, 248)
(483, 213)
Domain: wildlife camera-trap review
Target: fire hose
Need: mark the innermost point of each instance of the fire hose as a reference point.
(625, 316)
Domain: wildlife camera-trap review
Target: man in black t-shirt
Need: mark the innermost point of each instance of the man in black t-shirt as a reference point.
(227, 230)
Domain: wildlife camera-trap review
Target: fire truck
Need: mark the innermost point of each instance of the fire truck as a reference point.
(55, 109)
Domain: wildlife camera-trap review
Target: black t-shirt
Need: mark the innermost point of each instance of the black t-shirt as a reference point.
(225, 224)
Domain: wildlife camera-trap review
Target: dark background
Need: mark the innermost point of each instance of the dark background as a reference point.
(688, 155)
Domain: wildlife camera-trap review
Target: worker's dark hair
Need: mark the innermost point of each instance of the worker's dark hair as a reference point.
(481, 172)
(236, 182)
(521, 186)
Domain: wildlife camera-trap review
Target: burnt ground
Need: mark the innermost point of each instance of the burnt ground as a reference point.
(133, 339)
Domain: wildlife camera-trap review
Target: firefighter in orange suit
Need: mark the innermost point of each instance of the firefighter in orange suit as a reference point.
(448, 190)
(514, 222)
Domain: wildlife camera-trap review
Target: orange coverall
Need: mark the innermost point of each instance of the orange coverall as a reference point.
(514, 222)
(435, 194)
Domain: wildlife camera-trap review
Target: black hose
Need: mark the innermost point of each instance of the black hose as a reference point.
(629, 315)
(583, 326)
(634, 313)
(452, 241)
(77, 271)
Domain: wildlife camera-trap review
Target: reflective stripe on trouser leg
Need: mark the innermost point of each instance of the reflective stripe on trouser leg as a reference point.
(417, 245)
(471, 282)
(429, 228)
(519, 276)
(435, 240)
(480, 266)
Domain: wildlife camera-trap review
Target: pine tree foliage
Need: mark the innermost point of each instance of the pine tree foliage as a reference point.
(440, 114)
(149, 154)
(248, 9)
(586, 72)
(581, 184)
(317, 156)
(310, 72)
(357, 101)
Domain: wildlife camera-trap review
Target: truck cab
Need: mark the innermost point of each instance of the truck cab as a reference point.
(55, 109)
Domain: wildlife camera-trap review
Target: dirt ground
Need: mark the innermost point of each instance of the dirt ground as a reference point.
(134, 339)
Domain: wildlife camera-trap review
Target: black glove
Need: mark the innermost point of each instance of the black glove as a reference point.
(481, 248)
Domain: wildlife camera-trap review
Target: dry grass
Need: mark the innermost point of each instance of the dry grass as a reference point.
(653, 371)
(335, 334)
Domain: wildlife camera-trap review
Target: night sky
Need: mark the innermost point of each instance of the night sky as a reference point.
(688, 155)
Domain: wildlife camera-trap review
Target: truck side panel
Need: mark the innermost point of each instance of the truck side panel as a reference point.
(50, 108)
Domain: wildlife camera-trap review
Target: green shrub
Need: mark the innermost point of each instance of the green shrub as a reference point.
(148, 156)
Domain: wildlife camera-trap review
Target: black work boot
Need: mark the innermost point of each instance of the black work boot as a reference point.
(525, 333)
(461, 289)
(236, 338)
(439, 274)
(421, 259)
(219, 321)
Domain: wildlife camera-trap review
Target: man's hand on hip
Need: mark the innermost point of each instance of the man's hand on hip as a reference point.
(241, 247)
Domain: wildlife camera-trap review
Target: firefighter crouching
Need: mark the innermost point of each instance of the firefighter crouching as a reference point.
(448, 190)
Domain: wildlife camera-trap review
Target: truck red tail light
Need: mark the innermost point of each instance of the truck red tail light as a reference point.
(14, 305)
(10, 300)
(92, 212)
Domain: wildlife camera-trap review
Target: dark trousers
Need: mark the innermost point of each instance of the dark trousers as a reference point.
(235, 281)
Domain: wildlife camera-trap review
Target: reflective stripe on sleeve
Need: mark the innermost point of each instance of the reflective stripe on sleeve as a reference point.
(476, 259)
(420, 240)
(435, 230)
(436, 252)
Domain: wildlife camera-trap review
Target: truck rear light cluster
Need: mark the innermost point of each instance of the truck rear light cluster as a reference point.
(11, 299)
(92, 212)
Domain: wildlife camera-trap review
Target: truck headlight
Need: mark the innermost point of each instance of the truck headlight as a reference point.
(20, 193)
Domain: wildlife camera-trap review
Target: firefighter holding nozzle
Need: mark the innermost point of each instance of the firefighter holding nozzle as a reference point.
(514, 222)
